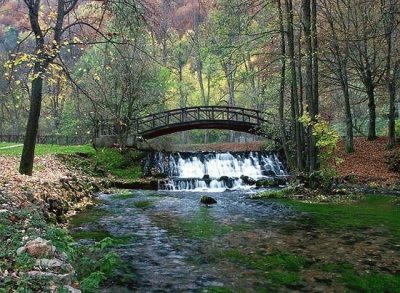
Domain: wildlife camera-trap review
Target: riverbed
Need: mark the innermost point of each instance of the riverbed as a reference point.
(169, 242)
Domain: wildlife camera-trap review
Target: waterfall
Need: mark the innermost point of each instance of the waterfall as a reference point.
(215, 172)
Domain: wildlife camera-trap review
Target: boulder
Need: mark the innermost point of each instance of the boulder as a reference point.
(206, 177)
(207, 200)
(65, 279)
(37, 248)
(248, 180)
(72, 289)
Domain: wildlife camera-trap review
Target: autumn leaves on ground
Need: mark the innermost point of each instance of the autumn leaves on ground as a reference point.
(368, 164)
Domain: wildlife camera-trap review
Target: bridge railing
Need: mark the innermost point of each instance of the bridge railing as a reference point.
(185, 115)
(210, 113)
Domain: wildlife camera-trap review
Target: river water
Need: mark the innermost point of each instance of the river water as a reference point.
(176, 241)
(173, 243)
(176, 244)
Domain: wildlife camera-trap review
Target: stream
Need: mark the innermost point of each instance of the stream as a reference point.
(172, 243)
(169, 242)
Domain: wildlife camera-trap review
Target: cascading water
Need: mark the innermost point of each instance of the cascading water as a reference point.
(215, 172)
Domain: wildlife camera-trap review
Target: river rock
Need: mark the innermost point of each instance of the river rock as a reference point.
(37, 248)
(72, 289)
(52, 264)
(207, 200)
(248, 180)
(65, 279)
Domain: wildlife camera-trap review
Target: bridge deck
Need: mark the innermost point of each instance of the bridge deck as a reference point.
(205, 117)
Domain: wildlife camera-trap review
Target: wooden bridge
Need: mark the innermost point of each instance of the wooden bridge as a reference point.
(206, 117)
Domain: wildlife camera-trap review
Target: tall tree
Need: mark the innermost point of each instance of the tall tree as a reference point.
(45, 53)
(295, 102)
(390, 10)
(311, 86)
(366, 52)
(337, 56)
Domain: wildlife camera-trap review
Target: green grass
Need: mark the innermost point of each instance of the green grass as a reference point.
(278, 269)
(120, 165)
(122, 196)
(125, 165)
(143, 204)
(97, 235)
(372, 211)
(203, 225)
(88, 216)
(363, 282)
(45, 149)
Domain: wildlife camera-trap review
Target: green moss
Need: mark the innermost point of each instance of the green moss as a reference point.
(365, 282)
(203, 225)
(274, 193)
(123, 165)
(88, 216)
(122, 196)
(219, 290)
(97, 235)
(284, 261)
(371, 211)
(143, 204)
(277, 269)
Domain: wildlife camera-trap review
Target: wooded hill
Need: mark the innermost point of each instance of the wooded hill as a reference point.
(311, 66)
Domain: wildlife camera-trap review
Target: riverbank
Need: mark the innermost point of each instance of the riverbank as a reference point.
(37, 251)
(34, 210)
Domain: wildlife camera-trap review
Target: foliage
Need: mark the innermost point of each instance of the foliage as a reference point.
(393, 161)
(16, 226)
(326, 140)
(274, 193)
(95, 263)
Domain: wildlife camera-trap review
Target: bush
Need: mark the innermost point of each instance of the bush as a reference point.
(393, 161)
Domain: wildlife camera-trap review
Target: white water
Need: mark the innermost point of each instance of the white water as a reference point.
(217, 172)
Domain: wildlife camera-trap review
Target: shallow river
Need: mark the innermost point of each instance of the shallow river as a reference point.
(172, 243)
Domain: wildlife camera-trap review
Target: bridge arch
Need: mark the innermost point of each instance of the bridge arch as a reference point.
(206, 117)
(182, 119)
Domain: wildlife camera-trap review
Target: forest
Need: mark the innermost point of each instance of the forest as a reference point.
(304, 196)
(318, 70)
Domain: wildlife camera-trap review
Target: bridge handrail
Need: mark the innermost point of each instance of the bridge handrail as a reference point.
(187, 115)
(188, 109)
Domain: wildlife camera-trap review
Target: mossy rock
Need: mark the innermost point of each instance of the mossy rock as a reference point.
(207, 200)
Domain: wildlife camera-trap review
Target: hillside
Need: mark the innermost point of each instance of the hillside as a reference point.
(368, 164)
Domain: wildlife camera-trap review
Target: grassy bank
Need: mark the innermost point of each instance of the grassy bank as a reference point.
(124, 165)
(370, 211)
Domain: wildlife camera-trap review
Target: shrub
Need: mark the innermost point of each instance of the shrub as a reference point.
(393, 161)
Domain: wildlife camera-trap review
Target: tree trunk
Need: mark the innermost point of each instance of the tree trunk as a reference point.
(315, 67)
(182, 98)
(371, 111)
(28, 151)
(282, 85)
(294, 89)
(349, 145)
(392, 115)
(311, 101)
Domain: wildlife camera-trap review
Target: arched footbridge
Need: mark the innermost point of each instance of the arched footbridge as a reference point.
(182, 119)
